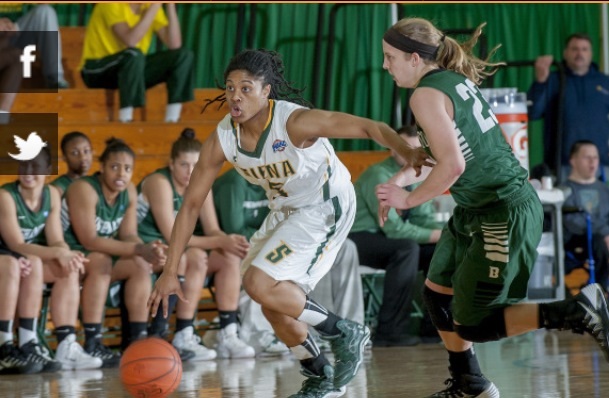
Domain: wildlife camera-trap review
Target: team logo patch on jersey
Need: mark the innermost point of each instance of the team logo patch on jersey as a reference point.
(279, 145)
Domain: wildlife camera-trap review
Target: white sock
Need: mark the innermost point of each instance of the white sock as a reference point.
(26, 335)
(172, 112)
(125, 114)
(5, 336)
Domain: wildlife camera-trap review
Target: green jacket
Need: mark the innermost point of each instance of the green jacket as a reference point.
(420, 221)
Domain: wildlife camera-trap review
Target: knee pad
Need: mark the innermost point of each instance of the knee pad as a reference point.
(492, 328)
(438, 307)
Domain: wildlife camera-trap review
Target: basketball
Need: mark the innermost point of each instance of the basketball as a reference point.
(150, 368)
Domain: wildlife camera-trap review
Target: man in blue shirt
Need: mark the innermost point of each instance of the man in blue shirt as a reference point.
(586, 98)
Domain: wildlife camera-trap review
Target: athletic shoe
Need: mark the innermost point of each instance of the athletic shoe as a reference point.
(229, 344)
(33, 348)
(187, 340)
(95, 348)
(185, 355)
(272, 346)
(73, 357)
(348, 349)
(316, 386)
(13, 360)
(596, 320)
(468, 386)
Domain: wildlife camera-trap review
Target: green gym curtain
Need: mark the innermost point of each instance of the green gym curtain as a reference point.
(359, 85)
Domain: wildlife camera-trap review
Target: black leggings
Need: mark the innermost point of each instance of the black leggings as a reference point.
(400, 259)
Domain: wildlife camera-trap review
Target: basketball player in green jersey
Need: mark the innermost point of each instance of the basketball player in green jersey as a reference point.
(29, 210)
(481, 265)
(77, 152)
(103, 225)
(211, 252)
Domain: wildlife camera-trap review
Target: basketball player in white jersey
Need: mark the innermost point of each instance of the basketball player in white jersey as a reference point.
(284, 147)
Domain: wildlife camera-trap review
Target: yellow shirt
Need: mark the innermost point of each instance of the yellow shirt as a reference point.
(11, 7)
(100, 40)
(11, 10)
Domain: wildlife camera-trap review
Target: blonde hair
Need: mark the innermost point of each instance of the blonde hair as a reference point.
(452, 55)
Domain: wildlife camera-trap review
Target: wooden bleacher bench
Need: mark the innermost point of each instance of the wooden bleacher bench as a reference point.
(85, 105)
(72, 39)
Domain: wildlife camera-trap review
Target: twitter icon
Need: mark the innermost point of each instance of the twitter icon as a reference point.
(29, 148)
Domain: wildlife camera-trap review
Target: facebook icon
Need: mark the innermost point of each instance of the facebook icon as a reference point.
(33, 59)
(27, 58)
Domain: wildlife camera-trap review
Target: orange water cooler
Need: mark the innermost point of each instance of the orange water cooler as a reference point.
(510, 107)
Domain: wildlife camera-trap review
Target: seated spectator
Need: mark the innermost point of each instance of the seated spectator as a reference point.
(31, 225)
(20, 293)
(116, 55)
(77, 152)
(418, 223)
(242, 208)
(591, 195)
(38, 18)
(395, 247)
(103, 225)
(159, 200)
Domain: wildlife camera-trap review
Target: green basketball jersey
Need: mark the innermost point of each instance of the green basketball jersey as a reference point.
(241, 206)
(31, 223)
(147, 227)
(492, 172)
(107, 218)
(62, 182)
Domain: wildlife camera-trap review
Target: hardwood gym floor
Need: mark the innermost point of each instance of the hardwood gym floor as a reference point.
(536, 365)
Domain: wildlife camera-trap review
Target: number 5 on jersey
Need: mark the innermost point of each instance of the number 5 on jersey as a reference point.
(278, 253)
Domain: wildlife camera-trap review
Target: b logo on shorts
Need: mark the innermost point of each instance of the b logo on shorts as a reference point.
(493, 272)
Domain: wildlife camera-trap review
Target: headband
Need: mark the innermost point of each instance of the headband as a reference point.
(406, 44)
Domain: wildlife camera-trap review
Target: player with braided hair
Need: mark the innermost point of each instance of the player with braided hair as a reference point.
(483, 260)
(284, 147)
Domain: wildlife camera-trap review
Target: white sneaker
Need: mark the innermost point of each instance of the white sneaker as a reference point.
(272, 347)
(186, 339)
(229, 344)
(72, 356)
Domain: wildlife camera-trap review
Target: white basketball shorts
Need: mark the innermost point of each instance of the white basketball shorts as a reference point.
(300, 245)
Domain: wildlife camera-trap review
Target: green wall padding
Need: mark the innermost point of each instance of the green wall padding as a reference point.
(359, 84)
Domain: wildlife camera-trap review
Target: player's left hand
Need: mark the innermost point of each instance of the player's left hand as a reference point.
(390, 195)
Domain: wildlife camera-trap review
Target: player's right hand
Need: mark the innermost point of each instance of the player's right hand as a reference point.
(166, 285)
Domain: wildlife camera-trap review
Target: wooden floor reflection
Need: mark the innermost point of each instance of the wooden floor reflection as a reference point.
(536, 365)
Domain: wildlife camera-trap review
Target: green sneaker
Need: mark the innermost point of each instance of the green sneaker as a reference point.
(348, 349)
(467, 386)
(319, 386)
(596, 319)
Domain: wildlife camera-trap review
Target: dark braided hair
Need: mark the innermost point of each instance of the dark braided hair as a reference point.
(267, 66)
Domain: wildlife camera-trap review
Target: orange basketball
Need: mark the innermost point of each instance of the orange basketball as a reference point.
(150, 368)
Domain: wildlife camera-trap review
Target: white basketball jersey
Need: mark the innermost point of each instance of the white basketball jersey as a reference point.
(292, 177)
